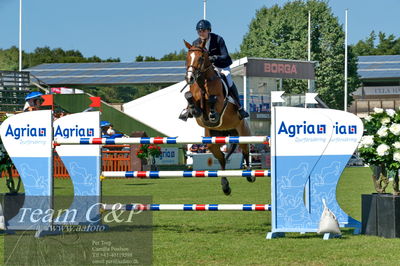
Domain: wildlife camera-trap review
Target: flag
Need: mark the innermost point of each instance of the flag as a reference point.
(48, 100)
(96, 102)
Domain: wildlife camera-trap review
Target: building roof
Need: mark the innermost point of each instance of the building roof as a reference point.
(379, 67)
(369, 67)
(110, 73)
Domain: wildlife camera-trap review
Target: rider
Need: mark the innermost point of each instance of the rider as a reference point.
(219, 57)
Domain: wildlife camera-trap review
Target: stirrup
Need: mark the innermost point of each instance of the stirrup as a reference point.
(185, 114)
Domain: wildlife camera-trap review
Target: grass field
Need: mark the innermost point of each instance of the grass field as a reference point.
(238, 238)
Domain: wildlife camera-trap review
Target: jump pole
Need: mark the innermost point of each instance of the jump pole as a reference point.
(186, 207)
(165, 140)
(156, 174)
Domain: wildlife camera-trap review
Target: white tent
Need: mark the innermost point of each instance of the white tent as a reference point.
(160, 110)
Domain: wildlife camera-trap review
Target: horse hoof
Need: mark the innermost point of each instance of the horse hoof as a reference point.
(227, 192)
(225, 186)
(251, 179)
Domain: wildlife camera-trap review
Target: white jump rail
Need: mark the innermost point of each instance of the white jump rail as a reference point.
(186, 207)
(216, 173)
(164, 140)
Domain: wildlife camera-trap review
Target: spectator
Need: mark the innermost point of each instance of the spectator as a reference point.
(202, 148)
(104, 127)
(32, 101)
(194, 148)
(110, 130)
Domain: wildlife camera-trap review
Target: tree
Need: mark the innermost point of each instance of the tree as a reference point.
(385, 46)
(175, 56)
(366, 47)
(139, 58)
(281, 32)
(150, 58)
(9, 59)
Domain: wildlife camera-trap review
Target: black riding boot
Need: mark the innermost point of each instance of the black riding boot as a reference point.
(233, 91)
(190, 109)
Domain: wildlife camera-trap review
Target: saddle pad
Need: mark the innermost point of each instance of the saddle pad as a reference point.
(223, 80)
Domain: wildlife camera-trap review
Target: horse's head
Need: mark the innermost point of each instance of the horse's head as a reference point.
(197, 61)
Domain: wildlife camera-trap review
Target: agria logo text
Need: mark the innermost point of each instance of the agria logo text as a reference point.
(73, 132)
(314, 129)
(27, 131)
(293, 130)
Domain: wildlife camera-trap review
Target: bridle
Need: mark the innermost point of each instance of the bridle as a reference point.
(198, 71)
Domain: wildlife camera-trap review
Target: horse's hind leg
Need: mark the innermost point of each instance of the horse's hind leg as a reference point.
(216, 151)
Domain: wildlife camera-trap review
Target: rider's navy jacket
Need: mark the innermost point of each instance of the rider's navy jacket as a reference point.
(218, 48)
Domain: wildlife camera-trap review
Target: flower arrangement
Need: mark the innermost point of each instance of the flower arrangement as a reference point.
(380, 147)
(146, 151)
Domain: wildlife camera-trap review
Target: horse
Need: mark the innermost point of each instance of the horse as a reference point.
(208, 103)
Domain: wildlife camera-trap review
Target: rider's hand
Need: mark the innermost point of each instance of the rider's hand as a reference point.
(213, 58)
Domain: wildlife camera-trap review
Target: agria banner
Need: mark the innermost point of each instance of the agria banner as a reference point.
(27, 138)
(309, 148)
(83, 162)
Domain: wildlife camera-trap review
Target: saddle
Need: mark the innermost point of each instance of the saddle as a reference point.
(224, 81)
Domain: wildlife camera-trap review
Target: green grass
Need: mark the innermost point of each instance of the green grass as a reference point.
(238, 238)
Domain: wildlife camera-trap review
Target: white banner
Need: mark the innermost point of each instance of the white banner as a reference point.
(207, 161)
(169, 156)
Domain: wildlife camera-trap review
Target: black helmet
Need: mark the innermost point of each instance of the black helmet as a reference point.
(203, 25)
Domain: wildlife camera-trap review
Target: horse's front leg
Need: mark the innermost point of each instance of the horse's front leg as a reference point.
(216, 151)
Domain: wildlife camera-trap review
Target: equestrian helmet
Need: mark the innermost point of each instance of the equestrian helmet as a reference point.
(203, 25)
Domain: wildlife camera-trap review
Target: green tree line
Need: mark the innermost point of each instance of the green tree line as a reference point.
(378, 45)
(41, 55)
(173, 56)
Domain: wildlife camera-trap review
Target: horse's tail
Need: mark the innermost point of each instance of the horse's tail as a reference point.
(231, 150)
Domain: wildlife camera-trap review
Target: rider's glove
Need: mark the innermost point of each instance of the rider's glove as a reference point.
(213, 58)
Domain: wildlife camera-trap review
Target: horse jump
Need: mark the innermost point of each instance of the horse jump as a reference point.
(166, 140)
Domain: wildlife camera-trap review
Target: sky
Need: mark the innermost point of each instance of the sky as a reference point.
(127, 28)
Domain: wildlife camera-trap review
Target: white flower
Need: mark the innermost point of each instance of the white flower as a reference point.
(366, 142)
(385, 120)
(396, 156)
(383, 150)
(382, 132)
(390, 112)
(395, 129)
(378, 110)
(396, 144)
(368, 118)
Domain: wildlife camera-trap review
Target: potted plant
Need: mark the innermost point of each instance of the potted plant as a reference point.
(149, 153)
(380, 148)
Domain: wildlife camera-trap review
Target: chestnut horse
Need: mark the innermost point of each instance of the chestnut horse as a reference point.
(208, 103)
